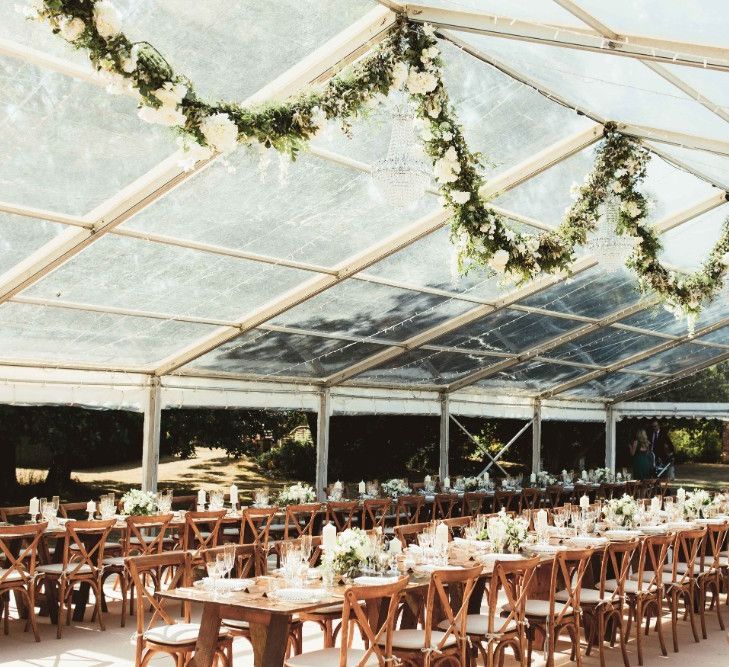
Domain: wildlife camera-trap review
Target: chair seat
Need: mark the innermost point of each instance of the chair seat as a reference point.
(541, 608)
(329, 657)
(236, 624)
(681, 568)
(176, 634)
(114, 561)
(231, 531)
(415, 639)
(587, 596)
(108, 546)
(57, 568)
(631, 586)
(666, 577)
(13, 576)
(477, 624)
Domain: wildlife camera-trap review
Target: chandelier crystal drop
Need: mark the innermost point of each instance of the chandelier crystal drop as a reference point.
(402, 176)
(610, 248)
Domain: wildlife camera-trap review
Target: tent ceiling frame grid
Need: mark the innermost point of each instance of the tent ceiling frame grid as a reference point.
(111, 213)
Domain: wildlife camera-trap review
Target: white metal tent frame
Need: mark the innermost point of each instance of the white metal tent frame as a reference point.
(170, 382)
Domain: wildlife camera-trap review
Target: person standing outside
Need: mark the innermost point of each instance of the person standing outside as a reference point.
(663, 449)
(640, 452)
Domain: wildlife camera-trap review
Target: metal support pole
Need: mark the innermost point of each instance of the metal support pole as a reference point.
(610, 428)
(322, 443)
(537, 437)
(444, 436)
(151, 434)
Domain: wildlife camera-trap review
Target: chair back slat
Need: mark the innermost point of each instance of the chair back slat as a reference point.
(342, 514)
(716, 536)
(506, 500)
(148, 532)
(20, 560)
(88, 539)
(374, 512)
(300, 520)
(531, 499)
(512, 580)
(652, 558)
(568, 570)
(686, 550)
(444, 505)
(246, 559)
(474, 503)
(195, 536)
(408, 509)
(616, 564)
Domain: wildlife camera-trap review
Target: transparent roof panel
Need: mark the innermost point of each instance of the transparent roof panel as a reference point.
(507, 331)
(677, 359)
(621, 89)
(59, 335)
(657, 319)
(608, 385)
(358, 308)
(711, 83)
(705, 22)
(710, 165)
(209, 41)
(591, 293)
(688, 245)
(720, 336)
(130, 273)
(504, 119)
(546, 196)
(425, 367)
(21, 236)
(319, 212)
(604, 347)
(69, 145)
(267, 353)
(531, 377)
(430, 262)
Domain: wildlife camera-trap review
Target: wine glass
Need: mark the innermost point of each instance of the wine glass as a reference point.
(229, 556)
(213, 573)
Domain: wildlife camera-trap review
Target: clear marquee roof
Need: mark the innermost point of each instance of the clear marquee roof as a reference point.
(115, 262)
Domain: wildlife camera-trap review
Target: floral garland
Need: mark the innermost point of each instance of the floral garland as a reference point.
(407, 59)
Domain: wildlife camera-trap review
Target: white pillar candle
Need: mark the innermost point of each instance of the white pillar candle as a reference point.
(427, 479)
(655, 504)
(584, 474)
(681, 495)
(541, 522)
(486, 476)
(328, 537)
(362, 487)
(395, 547)
(233, 496)
(33, 506)
(533, 478)
(446, 482)
(338, 485)
(441, 535)
(201, 497)
(584, 502)
(91, 507)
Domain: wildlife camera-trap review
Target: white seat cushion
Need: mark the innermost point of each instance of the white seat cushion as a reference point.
(681, 568)
(333, 609)
(631, 586)
(116, 561)
(541, 608)
(329, 657)
(235, 623)
(587, 595)
(666, 577)
(57, 568)
(477, 624)
(108, 546)
(415, 639)
(176, 634)
(13, 576)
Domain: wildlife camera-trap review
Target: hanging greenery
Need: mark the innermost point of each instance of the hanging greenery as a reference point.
(408, 59)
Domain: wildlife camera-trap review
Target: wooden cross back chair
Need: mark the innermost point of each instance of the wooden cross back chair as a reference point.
(343, 514)
(83, 563)
(491, 634)
(300, 520)
(408, 509)
(474, 503)
(19, 551)
(457, 524)
(531, 499)
(376, 628)
(506, 500)
(710, 571)
(374, 513)
(163, 633)
(13, 514)
(202, 529)
(444, 505)
(554, 495)
(409, 534)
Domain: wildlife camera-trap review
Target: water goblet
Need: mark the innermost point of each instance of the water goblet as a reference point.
(213, 573)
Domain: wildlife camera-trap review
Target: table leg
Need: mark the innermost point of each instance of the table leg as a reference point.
(269, 641)
(81, 598)
(207, 640)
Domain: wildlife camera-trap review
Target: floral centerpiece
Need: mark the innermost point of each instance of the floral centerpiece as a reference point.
(136, 502)
(351, 550)
(622, 511)
(395, 487)
(506, 533)
(545, 479)
(602, 475)
(297, 494)
(697, 504)
(472, 483)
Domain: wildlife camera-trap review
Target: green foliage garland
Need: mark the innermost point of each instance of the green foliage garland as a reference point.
(407, 59)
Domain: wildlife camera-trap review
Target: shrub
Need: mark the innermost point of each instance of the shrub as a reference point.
(289, 460)
(701, 444)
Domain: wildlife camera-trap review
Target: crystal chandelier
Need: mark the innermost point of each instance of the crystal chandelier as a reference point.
(610, 248)
(402, 175)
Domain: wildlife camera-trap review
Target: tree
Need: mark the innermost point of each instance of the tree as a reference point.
(710, 385)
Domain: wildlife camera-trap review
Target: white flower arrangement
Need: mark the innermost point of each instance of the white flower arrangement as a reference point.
(351, 550)
(136, 502)
(473, 483)
(622, 511)
(602, 475)
(297, 494)
(507, 533)
(107, 19)
(395, 487)
(545, 479)
(697, 502)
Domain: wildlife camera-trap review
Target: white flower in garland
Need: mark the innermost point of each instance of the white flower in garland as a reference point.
(72, 29)
(460, 197)
(447, 168)
(630, 208)
(107, 19)
(429, 29)
(421, 83)
(171, 94)
(499, 260)
(399, 75)
(220, 132)
(164, 115)
(129, 64)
